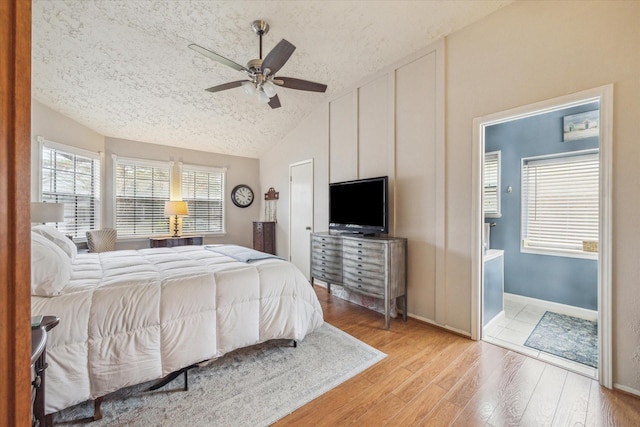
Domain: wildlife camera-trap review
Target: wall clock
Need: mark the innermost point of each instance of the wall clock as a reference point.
(242, 196)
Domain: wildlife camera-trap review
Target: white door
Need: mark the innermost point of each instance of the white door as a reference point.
(301, 214)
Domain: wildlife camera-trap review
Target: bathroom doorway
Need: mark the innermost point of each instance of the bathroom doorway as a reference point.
(534, 254)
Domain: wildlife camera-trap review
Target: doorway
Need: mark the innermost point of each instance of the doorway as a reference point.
(301, 215)
(603, 96)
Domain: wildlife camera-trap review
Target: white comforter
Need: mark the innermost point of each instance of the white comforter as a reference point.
(128, 317)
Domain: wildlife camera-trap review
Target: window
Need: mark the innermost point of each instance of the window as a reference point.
(203, 190)
(71, 176)
(560, 204)
(141, 188)
(492, 184)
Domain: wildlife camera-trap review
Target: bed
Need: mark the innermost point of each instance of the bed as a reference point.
(132, 316)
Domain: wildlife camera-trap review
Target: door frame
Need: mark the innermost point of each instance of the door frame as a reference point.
(605, 95)
(15, 198)
(291, 166)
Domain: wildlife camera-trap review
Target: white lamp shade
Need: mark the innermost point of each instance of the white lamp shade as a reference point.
(263, 98)
(47, 212)
(248, 87)
(269, 88)
(178, 208)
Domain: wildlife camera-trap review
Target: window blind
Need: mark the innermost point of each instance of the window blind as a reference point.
(72, 177)
(142, 187)
(203, 190)
(491, 198)
(560, 202)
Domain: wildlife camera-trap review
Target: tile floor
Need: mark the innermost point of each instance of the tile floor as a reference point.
(512, 330)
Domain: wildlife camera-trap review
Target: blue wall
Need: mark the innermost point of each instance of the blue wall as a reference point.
(571, 281)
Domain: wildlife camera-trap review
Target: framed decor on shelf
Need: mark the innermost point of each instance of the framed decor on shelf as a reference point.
(581, 125)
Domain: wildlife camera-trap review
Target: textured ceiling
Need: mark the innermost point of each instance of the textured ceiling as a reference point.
(123, 69)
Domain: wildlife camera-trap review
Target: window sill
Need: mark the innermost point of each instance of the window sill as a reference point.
(564, 254)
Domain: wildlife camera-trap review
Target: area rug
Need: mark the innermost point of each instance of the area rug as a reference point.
(255, 386)
(568, 337)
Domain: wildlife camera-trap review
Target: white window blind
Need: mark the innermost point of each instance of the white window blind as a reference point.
(203, 190)
(560, 202)
(491, 198)
(72, 176)
(142, 187)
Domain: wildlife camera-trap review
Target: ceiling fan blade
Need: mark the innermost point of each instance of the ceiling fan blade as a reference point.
(219, 58)
(274, 102)
(226, 86)
(278, 56)
(299, 84)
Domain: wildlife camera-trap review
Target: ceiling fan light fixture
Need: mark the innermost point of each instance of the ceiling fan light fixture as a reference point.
(263, 98)
(269, 88)
(248, 87)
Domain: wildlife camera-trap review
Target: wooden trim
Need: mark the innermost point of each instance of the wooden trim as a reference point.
(15, 245)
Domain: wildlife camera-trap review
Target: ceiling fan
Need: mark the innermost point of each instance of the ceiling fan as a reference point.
(262, 72)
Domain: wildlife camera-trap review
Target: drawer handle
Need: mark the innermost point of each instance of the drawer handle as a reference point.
(359, 265)
(359, 252)
(359, 279)
(359, 259)
(322, 269)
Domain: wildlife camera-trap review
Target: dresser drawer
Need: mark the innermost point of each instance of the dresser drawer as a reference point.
(327, 274)
(373, 265)
(328, 244)
(361, 255)
(352, 245)
(373, 286)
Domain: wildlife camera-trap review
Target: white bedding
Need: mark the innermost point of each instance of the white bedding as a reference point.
(128, 317)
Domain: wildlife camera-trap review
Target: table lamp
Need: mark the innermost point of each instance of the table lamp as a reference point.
(42, 212)
(176, 209)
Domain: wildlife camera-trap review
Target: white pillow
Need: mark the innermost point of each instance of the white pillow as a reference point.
(50, 267)
(62, 241)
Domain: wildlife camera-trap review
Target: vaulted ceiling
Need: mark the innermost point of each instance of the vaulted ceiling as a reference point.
(123, 69)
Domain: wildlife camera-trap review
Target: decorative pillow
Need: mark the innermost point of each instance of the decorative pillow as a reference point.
(62, 241)
(50, 267)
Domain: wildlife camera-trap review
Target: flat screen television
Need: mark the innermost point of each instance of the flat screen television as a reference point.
(360, 206)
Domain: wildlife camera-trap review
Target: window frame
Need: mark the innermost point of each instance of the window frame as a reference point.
(547, 159)
(142, 163)
(206, 169)
(97, 189)
(498, 156)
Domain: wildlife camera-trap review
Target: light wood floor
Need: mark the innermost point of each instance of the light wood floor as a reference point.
(433, 377)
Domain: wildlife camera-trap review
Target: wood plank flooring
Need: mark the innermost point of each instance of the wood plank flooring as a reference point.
(432, 377)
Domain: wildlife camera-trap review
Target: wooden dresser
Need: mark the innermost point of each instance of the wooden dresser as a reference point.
(374, 266)
(169, 242)
(264, 236)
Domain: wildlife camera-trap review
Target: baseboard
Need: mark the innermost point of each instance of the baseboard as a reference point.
(627, 389)
(495, 319)
(438, 325)
(569, 310)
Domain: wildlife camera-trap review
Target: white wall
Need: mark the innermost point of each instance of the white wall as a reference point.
(240, 170)
(309, 140)
(521, 54)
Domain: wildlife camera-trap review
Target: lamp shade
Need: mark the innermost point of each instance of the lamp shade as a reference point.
(47, 212)
(176, 208)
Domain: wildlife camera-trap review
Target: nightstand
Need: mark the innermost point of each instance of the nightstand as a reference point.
(170, 242)
(38, 369)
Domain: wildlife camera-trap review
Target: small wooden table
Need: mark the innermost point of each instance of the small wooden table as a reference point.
(169, 242)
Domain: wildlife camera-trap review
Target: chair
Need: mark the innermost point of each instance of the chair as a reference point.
(102, 240)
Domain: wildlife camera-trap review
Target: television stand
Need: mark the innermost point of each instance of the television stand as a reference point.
(369, 265)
